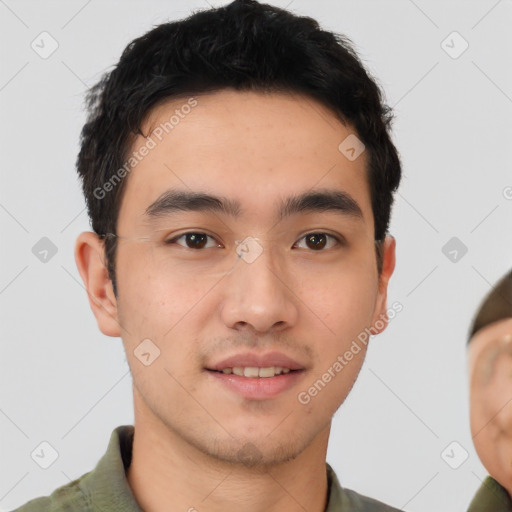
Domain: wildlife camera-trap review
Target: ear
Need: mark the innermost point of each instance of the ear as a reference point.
(388, 266)
(89, 257)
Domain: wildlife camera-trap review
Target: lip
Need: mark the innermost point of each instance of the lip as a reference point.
(257, 360)
(258, 388)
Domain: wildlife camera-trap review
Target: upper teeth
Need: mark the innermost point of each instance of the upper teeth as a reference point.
(253, 371)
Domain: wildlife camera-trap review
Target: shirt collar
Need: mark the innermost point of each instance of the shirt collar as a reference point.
(106, 487)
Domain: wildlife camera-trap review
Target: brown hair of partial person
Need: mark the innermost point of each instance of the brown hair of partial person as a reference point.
(497, 305)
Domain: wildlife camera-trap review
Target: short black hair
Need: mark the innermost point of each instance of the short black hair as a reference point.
(497, 305)
(244, 45)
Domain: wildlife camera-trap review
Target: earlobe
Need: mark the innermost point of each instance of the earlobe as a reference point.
(380, 319)
(89, 258)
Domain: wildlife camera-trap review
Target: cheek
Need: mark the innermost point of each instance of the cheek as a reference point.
(499, 407)
(491, 428)
(483, 432)
(477, 413)
(156, 294)
(491, 415)
(346, 300)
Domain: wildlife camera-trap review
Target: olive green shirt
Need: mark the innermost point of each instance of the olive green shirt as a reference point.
(491, 497)
(106, 489)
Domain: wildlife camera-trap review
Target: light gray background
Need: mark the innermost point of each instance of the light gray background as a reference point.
(64, 382)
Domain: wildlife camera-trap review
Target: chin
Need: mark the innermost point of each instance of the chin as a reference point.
(252, 451)
(260, 455)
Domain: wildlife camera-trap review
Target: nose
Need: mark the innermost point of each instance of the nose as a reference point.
(258, 294)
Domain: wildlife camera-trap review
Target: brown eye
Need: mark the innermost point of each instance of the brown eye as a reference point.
(318, 241)
(192, 240)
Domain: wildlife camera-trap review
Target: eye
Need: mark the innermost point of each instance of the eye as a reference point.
(318, 241)
(193, 240)
(197, 240)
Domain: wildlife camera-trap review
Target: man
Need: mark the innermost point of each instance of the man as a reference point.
(239, 176)
(490, 369)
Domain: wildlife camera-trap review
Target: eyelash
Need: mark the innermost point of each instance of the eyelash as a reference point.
(339, 240)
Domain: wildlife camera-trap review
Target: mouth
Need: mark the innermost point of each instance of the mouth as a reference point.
(255, 372)
(255, 383)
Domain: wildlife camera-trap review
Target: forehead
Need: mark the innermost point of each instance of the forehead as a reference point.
(257, 148)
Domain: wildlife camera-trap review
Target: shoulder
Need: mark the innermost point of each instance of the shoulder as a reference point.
(341, 498)
(365, 504)
(66, 498)
(491, 496)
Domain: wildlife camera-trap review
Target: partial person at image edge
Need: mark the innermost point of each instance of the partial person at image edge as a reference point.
(490, 368)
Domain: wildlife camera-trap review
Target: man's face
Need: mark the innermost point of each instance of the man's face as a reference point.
(224, 301)
(490, 369)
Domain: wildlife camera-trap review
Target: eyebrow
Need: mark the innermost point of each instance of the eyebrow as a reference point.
(320, 200)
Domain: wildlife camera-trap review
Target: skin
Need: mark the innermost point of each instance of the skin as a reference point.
(198, 309)
(490, 370)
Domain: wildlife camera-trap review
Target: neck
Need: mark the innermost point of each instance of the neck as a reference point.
(169, 474)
